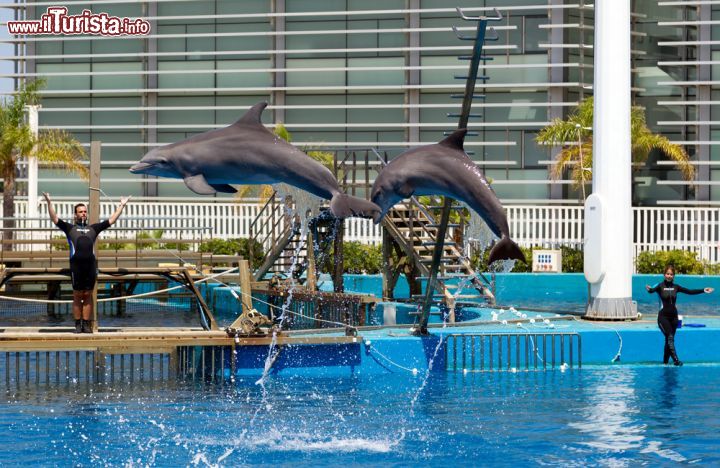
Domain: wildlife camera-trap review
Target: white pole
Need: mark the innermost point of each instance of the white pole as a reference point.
(608, 265)
(32, 209)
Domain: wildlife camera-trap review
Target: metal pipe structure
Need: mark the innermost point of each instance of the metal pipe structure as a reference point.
(472, 77)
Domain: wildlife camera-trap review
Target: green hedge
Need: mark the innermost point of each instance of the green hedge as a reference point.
(684, 262)
(572, 260)
(238, 246)
(357, 259)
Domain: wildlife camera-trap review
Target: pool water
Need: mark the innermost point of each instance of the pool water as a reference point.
(615, 416)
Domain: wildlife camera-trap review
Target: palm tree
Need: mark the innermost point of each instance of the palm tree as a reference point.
(52, 148)
(574, 135)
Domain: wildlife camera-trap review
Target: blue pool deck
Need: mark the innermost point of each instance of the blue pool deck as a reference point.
(389, 349)
(559, 298)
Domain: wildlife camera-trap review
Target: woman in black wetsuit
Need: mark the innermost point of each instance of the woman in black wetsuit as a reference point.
(668, 315)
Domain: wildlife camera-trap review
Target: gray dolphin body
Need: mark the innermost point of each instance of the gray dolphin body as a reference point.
(247, 153)
(445, 169)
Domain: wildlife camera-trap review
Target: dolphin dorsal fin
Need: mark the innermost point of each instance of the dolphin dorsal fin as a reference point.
(253, 116)
(455, 140)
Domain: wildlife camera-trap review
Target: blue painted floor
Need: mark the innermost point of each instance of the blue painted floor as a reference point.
(394, 349)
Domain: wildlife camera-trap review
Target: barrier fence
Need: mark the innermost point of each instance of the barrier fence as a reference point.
(656, 228)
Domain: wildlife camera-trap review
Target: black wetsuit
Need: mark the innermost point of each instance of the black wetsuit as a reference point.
(668, 315)
(83, 264)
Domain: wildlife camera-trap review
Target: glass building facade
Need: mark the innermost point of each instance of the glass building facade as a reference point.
(359, 74)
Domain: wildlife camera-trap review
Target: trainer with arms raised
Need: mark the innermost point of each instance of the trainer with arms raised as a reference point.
(83, 264)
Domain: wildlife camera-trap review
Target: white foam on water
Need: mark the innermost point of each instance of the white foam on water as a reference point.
(276, 441)
(200, 459)
(654, 447)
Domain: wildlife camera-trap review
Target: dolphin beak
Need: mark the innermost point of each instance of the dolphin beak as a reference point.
(140, 167)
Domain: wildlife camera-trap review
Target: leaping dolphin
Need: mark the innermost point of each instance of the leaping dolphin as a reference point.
(248, 153)
(445, 169)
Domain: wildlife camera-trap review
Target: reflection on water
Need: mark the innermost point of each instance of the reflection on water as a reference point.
(609, 416)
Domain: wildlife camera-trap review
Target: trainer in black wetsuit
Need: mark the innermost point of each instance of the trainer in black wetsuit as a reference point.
(668, 315)
(83, 264)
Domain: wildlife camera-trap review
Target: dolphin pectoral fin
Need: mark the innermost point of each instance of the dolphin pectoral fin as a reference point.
(224, 188)
(199, 185)
(345, 206)
(506, 249)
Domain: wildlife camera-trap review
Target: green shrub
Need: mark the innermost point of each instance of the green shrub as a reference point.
(58, 245)
(149, 235)
(240, 246)
(116, 245)
(357, 258)
(362, 258)
(712, 268)
(572, 260)
(684, 262)
(180, 246)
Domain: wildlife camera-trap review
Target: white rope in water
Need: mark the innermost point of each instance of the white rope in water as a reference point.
(619, 352)
(413, 371)
(535, 348)
(123, 298)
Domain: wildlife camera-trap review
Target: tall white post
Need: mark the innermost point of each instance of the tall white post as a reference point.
(608, 237)
(32, 210)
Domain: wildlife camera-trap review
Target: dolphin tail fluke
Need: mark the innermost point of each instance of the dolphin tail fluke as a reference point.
(506, 249)
(345, 206)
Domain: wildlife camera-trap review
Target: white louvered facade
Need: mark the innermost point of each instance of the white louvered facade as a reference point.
(359, 74)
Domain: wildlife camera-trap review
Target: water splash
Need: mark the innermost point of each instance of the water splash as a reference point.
(306, 205)
(477, 230)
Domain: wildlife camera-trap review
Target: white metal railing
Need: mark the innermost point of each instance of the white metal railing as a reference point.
(694, 229)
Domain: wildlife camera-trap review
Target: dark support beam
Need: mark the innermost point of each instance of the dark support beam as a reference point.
(445, 216)
(704, 73)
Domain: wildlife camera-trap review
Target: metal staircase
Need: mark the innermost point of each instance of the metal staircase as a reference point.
(414, 228)
(281, 235)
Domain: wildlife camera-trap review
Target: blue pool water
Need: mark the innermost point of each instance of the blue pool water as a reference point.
(617, 416)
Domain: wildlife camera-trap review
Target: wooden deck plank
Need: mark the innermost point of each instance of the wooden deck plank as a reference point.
(157, 340)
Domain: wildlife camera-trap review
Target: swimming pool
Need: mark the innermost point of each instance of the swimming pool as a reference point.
(617, 415)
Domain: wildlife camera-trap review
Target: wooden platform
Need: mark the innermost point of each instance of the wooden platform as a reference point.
(139, 340)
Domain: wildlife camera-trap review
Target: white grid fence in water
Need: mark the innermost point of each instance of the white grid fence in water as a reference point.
(656, 228)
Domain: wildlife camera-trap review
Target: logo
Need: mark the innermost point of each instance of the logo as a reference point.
(57, 21)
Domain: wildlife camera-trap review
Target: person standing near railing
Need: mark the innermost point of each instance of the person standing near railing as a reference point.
(83, 264)
(668, 315)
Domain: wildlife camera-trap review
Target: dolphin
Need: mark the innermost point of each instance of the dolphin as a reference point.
(445, 169)
(248, 153)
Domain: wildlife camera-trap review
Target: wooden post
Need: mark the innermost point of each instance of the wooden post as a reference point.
(94, 212)
(387, 274)
(311, 282)
(245, 287)
(338, 268)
